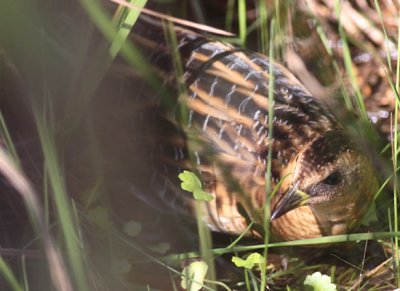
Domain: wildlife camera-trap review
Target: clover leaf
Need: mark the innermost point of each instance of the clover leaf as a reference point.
(193, 275)
(319, 282)
(191, 183)
(250, 262)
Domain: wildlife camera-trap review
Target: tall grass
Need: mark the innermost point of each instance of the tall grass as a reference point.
(395, 154)
(205, 239)
(268, 172)
(63, 206)
(76, 274)
(242, 17)
(349, 67)
(355, 105)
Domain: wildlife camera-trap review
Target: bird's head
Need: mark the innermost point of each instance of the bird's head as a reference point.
(333, 178)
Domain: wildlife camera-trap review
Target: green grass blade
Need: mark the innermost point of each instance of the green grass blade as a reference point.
(62, 205)
(230, 10)
(203, 231)
(268, 173)
(242, 22)
(236, 241)
(335, 239)
(24, 273)
(127, 50)
(387, 47)
(263, 31)
(349, 66)
(395, 145)
(9, 276)
(125, 19)
(8, 141)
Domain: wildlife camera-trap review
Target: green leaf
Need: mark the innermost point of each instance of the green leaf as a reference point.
(132, 228)
(193, 276)
(191, 183)
(127, 18)
(202, 195)
(250, 262)
(319, 282)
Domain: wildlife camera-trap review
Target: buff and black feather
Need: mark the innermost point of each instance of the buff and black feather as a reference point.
(328, 183)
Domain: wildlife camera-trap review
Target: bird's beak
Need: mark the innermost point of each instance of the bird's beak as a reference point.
(292, 198)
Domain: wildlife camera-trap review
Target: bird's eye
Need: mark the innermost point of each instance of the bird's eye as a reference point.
(333, 179)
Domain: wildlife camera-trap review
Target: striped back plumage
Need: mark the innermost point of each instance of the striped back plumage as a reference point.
(227, 129)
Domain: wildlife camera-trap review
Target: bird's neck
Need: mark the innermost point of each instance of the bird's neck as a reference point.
(300, 223)
(335, 219)
(309, 222)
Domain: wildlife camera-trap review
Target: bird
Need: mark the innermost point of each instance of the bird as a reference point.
(324, 182)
